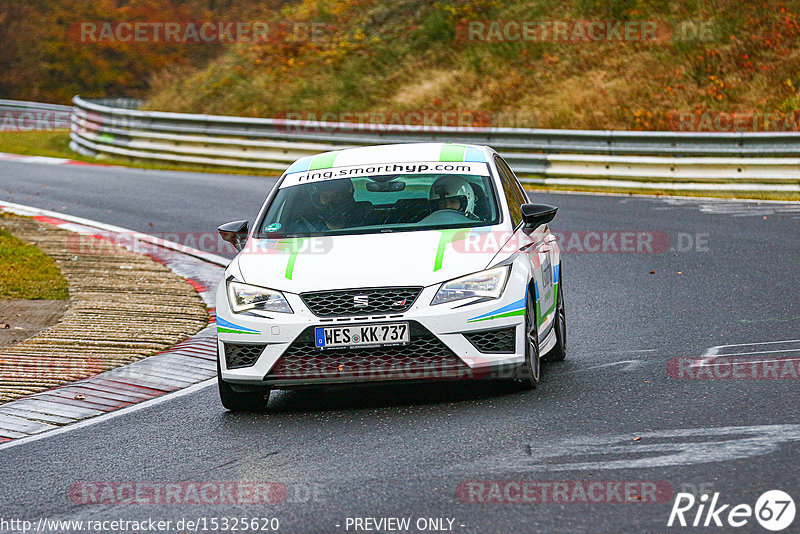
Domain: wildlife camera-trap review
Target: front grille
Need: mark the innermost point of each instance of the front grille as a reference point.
(499, 340)
(342, 303)
(241, 355)
(425, 356)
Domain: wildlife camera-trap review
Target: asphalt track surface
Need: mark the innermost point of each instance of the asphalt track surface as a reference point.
(403, 451)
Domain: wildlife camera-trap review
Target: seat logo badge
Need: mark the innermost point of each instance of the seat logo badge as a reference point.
(361, 301)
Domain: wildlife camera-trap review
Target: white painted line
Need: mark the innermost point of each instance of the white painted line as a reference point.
(657, 450)
(624, 351)
(111, 415)
(629, 365)
(758, 344)
(726, 354)
(716, 351)
(714, 364)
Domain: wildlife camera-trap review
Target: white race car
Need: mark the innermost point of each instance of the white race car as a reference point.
(389, 263)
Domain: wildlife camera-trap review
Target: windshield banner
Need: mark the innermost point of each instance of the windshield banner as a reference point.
(382, 169)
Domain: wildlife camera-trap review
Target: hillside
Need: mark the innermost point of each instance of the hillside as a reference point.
(708, 59)
(45, 57)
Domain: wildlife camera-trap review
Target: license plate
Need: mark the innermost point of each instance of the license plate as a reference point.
(362, 335)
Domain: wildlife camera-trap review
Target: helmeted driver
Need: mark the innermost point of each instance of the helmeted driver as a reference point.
(333, 193)
(335, 204)
(453, 193)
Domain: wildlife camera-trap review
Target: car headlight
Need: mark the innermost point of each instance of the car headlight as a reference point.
(489, 284)
(246, 297)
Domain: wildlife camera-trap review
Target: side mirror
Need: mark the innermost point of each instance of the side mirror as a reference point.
(535, 215)
(235, 233)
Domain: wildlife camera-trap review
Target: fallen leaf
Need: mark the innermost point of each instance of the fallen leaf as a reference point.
(652, 272)
(637, 438)
(18, 328)
(4, 325)
(680, 272)
(79, 397)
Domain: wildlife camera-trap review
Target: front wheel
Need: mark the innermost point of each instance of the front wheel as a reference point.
(246, 399)
(528, 373)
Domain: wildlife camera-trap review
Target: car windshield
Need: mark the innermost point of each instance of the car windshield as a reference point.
(374, 204)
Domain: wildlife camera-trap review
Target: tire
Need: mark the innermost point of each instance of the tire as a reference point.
(248, 399)
(527, 376)
(559, 351)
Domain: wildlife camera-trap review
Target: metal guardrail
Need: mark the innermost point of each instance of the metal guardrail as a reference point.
(17, 115)
(767, 160)
(21, 105)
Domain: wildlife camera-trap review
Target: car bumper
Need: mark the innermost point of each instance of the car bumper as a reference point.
(288, 358)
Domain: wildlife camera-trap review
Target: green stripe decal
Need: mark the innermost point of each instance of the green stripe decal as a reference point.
(222, 330)
(448, 236)
(452, 153)
(323, 161)
(500, 316)
(293, 246)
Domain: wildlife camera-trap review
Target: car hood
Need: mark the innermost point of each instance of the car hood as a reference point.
(370, 260)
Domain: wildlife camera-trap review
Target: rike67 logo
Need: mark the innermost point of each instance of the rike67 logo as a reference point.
(774, 510)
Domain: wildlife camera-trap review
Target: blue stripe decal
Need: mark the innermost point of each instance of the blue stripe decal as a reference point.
(518, 305)
(225, 324)
(556, 272)
(474, 155)
(300, 165)
(535, 291)
(481, 230)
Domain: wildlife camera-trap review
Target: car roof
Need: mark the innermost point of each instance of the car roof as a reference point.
(397, 153)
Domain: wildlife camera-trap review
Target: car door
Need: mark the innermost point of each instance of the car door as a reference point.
(538, 245)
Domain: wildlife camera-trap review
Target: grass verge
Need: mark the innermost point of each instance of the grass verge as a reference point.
(28, 273)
